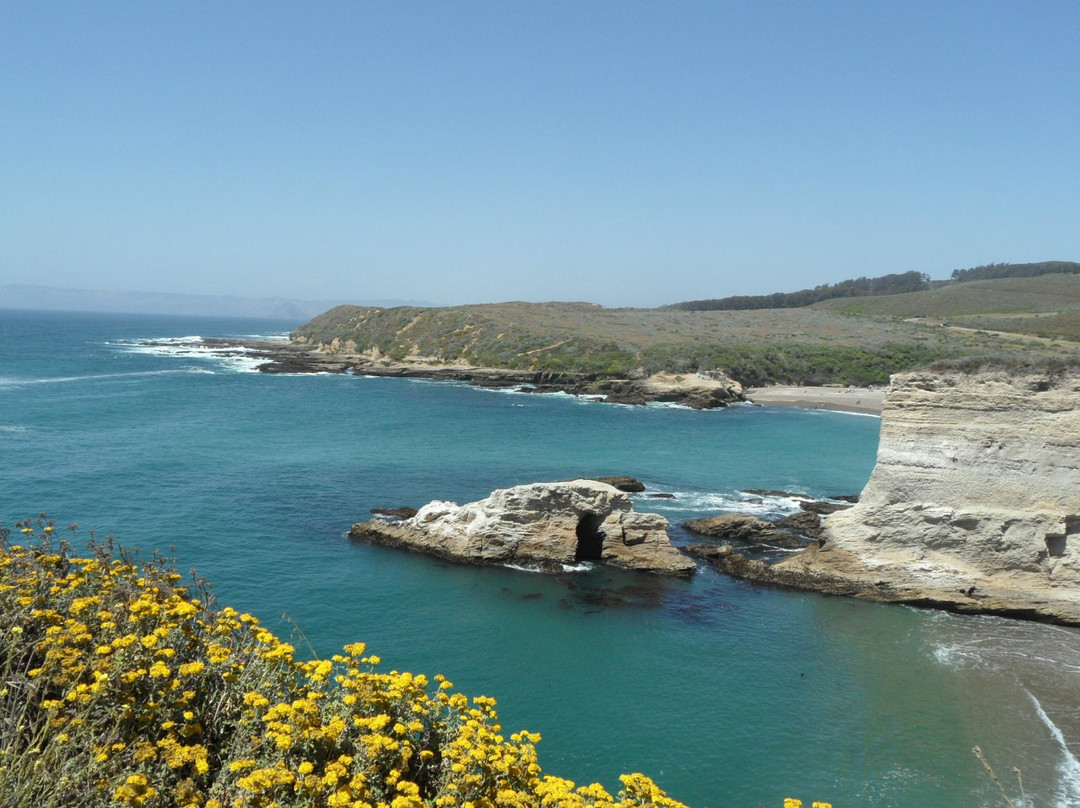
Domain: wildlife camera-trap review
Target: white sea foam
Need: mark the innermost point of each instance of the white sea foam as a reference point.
(162, 340)
(1068, 795)
(264, 337)
(667, 405)
(859, 414)
(516, 390)
(994, 643)
(584, 566)
(10, 382)
(522, 568)
(233, 358)
(12, 429)
(715, 502)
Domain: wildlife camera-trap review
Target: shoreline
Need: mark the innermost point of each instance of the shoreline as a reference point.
(861, 400)
(694, 390)
(697, 391)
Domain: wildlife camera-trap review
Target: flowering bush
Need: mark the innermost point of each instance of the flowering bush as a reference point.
(120, 687)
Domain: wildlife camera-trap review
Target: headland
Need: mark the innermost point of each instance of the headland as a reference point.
(704, 390)
(972, 505)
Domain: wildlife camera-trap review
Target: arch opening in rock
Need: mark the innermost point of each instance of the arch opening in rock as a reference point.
(590, 539)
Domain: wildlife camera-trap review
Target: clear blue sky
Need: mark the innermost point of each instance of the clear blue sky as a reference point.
(622, 152)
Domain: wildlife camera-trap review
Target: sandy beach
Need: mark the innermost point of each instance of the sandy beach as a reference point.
(841, 399)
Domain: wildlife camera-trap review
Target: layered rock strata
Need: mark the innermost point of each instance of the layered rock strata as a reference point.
(974, 504)
(547, 524)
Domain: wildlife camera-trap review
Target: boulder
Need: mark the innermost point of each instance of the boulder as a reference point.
(738, 526)
(824, 508)
(628, 484)
(760, 535)
(806, 523)
(404, 512)
(546, 524)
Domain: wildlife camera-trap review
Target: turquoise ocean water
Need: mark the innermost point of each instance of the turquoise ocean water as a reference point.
(726, 693)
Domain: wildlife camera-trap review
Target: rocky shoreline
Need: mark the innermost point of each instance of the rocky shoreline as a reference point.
(697, 391)
(818, 569)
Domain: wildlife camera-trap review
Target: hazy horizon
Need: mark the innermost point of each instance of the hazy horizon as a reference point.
(623, 153)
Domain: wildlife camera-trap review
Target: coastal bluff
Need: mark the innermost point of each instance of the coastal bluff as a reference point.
(974, 504)
(543, 524)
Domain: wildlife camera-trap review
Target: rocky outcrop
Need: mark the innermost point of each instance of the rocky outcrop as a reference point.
(402, 512)
(546, 524)
(631, 485)
(974, 503)
(759, 536)
(695, 390)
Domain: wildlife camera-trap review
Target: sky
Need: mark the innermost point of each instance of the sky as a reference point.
(621, 152)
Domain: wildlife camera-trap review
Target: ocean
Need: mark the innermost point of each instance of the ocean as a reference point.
(726, 693)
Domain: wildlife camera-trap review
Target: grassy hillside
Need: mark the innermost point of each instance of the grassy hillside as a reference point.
(1047, 306)
(855, 287)
(795, 346)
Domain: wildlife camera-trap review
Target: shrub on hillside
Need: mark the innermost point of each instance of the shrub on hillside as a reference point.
(121, 687)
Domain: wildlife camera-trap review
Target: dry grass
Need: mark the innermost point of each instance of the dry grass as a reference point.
(1047, 293)
(845, 341)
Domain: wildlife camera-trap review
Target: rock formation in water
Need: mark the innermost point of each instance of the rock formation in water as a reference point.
(974, 503)
(548, 524)
(759, 535)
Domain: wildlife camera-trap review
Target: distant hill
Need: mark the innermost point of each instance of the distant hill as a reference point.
(901, 283)
(856, 287)
(784, 346)
(988, 272)
(47, 298)
(854, 332)
(1044, 305)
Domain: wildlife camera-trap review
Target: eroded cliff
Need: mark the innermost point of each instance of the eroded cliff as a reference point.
(974, 503)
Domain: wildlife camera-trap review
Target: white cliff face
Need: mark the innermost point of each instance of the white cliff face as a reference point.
(542, 522)
(976, 492)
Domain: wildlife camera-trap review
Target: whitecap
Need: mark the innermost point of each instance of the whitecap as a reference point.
(667, 405)
(242, 364)
(9, 382)
(264, 337)
(523, 568)
(583, 566)
(715, 502)
(516, 390)
(235, 358)
(162, 340)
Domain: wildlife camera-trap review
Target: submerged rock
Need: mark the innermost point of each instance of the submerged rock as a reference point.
(824, 508)
(548, 524)
(404, 512)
